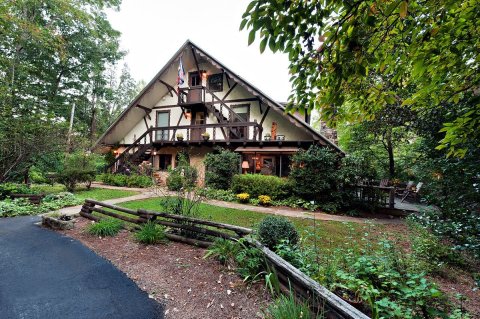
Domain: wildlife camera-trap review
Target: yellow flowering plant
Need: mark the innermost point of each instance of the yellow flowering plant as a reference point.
(265, 200)
(243, 197)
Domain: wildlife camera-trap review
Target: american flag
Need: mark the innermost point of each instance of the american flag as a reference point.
(181, 73)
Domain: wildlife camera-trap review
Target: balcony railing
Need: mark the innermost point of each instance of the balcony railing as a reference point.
(191, 96)
(232, 131)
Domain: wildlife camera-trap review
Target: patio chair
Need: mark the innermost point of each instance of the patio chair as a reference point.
(402, 191)
(413, 192)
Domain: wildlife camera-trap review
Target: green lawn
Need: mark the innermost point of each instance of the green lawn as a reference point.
(103, 193)
(330, 232)
(83, 193)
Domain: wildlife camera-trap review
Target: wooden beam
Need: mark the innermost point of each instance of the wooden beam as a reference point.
(228, 92)
(146, 109)
(264, 115)
(196, 61)
(227, 78)
(146, 124)
(169, 87)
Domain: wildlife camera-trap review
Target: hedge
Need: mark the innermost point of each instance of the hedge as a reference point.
(257, 184)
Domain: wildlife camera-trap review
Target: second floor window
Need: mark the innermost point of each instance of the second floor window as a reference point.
(195, 79)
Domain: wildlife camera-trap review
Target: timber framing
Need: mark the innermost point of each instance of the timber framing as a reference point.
(146, 99)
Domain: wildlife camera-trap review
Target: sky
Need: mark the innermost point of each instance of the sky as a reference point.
(153, 30)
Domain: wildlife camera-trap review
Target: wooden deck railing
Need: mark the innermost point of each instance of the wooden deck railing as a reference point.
(375, 196)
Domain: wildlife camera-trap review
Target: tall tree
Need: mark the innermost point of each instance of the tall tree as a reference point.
(429, 47)
(49, 52)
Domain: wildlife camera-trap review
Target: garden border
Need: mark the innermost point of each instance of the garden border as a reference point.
(303, 286)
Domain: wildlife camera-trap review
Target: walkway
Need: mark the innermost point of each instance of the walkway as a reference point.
(299, 213)
(46, 275)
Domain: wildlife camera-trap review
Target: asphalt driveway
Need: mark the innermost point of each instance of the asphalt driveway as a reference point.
(46, 275)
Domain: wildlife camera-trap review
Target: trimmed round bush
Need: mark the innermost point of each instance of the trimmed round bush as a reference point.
(274, 229)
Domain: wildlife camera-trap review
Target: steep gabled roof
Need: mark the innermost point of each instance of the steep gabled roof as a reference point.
(170, 70)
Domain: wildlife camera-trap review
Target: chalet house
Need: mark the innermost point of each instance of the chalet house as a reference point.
(213, 107)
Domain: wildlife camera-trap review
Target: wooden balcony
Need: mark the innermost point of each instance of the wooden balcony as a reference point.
(217, 132)
(191, 96)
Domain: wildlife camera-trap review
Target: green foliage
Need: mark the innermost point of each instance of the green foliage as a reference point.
(272, 230)
(183, 176)
(315, 174)
(287, 307)
(429, 251)
(22, 206)
(151, 233)
(105, 227)
(77, 168)
(223, 250)
(220, 167)
(257, 184)
(370, 56)
(6, 189)
(53, 54)
(459, 225)
(133, 180)
(218, 194)
(250, 262)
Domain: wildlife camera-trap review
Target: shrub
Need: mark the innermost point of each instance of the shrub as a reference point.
(272, 230)
(7, 189)
(142, 181)
(243, 197)
(257, 184)
(16, 207)
(458, 224)
(183, 176)
(151, 233)
(219, 194)
(220, 167)
(22, 206)
(265, 200)
(105, 227)
(315, 174)
(77, 168)
(174, 181)
(250, 262)
(224, 250)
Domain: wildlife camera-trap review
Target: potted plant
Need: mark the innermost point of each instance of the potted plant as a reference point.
(206, 136)
(267, 137)
(179, 137)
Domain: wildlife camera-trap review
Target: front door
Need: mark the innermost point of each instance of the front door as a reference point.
(198, 118)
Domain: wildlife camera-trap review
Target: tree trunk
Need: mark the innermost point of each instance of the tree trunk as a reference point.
(93, 123)
(391, 159)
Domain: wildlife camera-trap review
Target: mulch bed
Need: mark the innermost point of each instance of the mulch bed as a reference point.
(177, 276)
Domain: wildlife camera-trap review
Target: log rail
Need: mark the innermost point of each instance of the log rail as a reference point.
(303, 286)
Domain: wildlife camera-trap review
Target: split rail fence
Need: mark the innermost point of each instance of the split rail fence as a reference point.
(303, 286)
